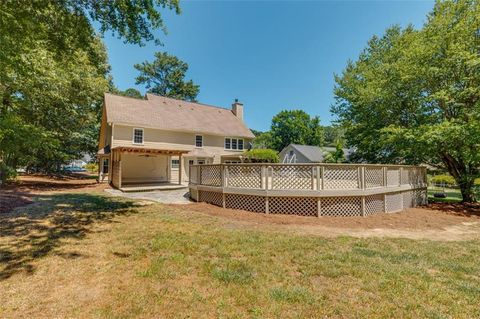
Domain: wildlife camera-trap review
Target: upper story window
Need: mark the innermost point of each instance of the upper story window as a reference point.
(198, 141)
(233, 143)
(228, 143)
(138, 136)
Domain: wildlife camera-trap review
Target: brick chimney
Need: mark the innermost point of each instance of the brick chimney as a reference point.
(237, 109)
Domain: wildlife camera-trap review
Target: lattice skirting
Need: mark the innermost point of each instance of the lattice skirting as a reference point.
(311, 206)
(245, 202)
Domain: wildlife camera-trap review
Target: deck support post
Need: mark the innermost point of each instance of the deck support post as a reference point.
(319, 207)
(363, 206)
(267, 210)
(223, 200)
(384, 203)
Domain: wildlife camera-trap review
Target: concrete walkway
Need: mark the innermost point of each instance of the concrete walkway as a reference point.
(176, 196)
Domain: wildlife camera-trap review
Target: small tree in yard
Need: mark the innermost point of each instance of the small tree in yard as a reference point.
(413, 96)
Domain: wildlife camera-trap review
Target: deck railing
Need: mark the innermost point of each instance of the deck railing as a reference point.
(293, 187)
(306, 176)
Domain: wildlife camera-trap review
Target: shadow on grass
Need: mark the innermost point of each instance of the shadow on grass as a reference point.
(34, 231)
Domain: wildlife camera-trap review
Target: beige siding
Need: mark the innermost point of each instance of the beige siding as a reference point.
(212, 150)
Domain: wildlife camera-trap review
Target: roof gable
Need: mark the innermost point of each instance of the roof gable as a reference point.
(174, 115)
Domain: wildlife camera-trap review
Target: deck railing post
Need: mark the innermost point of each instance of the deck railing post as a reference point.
(263, 177)
(400, 178)
(359, 178)
(319, 185)
(384, 176)
(199, 174)
(322, 176)
(312, 171)
(364, 186)
(270, 177)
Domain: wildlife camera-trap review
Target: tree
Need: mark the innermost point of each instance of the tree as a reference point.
(263, 140)
(131, 92)
(295, 127)
(333, 135)
(166, 76)
(337, 156)
(413, 96)
(54, 70)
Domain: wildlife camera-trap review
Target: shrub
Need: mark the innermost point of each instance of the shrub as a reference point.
(262, 156)
(92, 167)
(444, 179)
(6, 172)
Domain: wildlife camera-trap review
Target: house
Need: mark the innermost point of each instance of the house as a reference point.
(296, 153)
(154, 140)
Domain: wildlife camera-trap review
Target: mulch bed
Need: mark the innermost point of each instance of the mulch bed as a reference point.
(434, 216)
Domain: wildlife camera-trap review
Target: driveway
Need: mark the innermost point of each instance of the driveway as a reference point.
(175, 196)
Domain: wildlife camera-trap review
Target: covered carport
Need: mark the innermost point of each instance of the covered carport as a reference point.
(141, 169)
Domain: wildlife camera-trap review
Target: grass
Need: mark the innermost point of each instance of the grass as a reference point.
(102, 257)
(453, 195)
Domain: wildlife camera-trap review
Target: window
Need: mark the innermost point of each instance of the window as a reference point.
(190, 162)
(240, 144)
(291, 153)
(175, 163)
(105, 166)
(233, 143)
(198, 141)
(138, 136)
(200, 162)
(228, 143)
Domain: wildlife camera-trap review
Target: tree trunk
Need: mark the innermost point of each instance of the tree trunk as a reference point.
(467, 192)
(463, 176)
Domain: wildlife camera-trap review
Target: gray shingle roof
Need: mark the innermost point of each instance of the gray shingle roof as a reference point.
(174, 115)
(315, 153)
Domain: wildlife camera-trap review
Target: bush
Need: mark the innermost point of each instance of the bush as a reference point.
(262, 156)
(6, 172)
(444, 179)
(92, 167)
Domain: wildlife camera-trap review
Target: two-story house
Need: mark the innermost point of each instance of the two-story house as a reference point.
(153, 141)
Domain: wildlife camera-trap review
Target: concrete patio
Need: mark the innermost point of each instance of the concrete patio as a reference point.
(173, 196)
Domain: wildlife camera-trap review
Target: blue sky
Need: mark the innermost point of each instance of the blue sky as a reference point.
(271, 55)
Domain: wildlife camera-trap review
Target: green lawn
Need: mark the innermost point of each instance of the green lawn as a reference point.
(92, 256)
(453, 195)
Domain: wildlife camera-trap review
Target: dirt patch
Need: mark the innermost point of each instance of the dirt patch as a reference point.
(436, 222)
(21, 192)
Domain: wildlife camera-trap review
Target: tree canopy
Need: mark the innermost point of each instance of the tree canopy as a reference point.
(166, 76)
(413, 96)
(297, 127)
(54, 71)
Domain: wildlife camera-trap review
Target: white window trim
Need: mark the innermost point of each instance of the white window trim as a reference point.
(143, 135)
(225, 143)
(177, 165)
(196, 141)
(231, 143)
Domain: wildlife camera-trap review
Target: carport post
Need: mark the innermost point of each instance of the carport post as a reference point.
(180, 169)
